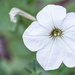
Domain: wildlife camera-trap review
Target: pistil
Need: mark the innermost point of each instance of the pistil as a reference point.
(56, 32)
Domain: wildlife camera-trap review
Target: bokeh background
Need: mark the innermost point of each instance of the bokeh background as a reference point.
(15, 58)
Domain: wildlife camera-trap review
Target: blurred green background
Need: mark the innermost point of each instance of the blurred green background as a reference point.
(15, 58)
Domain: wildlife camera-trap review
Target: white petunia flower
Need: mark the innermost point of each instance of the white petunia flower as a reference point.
(53, 37)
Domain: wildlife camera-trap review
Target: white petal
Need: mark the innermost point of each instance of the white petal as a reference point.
(69, 60)
(51, 15)
(69, 21)
(50, 57)
(69, 39)
(70, 42)
(35, 43)
(36, 29)
(35, 36)
(70, 33)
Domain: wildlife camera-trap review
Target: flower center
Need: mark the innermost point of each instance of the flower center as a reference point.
(56, 32)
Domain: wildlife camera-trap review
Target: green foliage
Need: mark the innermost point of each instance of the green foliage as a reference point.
(50, 1)
(20, 55)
